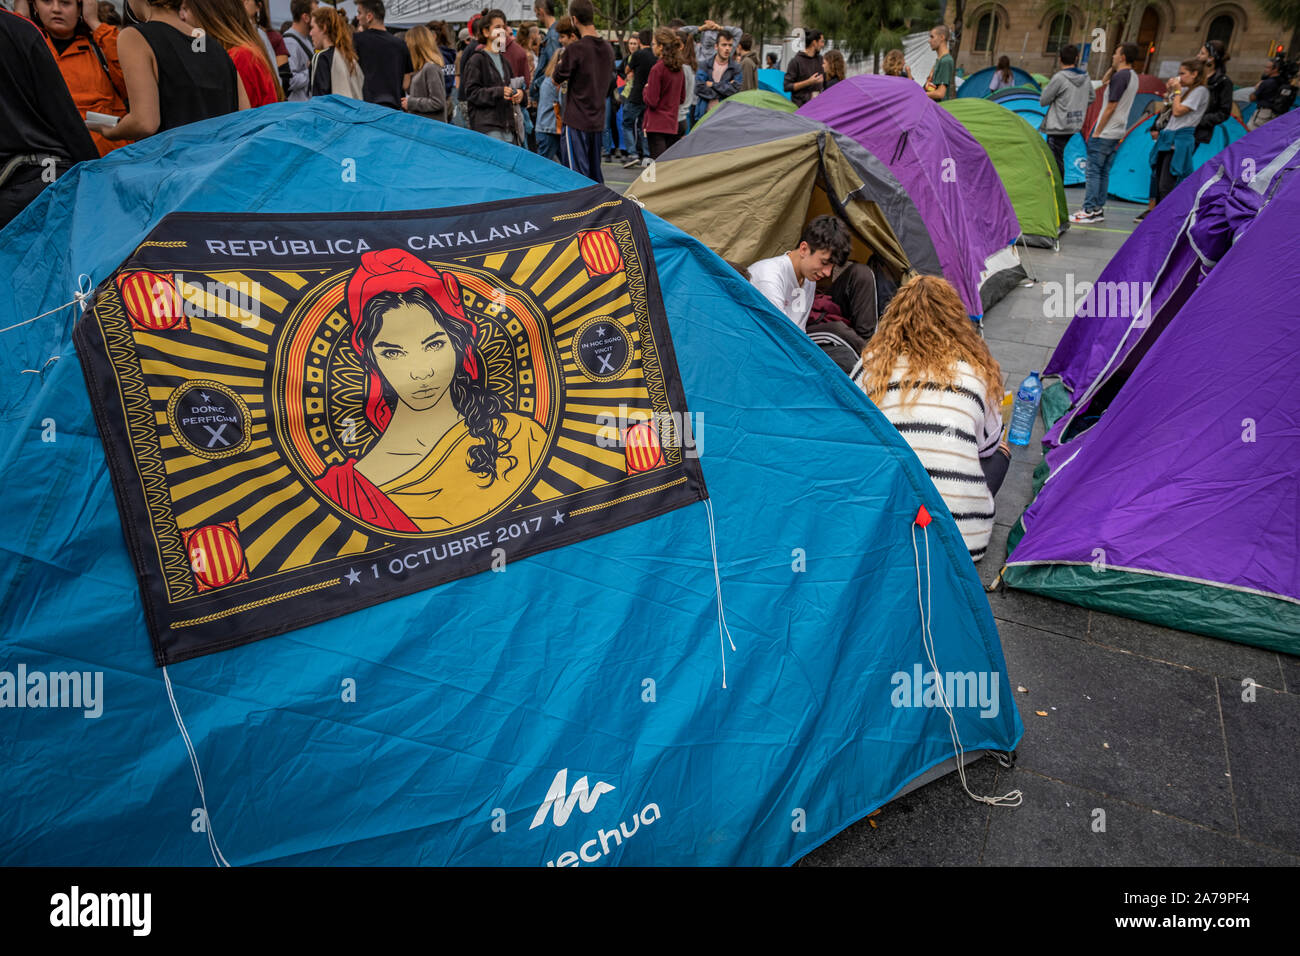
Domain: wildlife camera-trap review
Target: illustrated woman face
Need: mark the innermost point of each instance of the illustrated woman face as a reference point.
(414, 355)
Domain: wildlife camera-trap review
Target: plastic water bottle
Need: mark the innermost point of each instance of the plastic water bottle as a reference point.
(1022, 415)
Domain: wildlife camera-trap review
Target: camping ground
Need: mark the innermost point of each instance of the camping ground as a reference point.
(1142, 744)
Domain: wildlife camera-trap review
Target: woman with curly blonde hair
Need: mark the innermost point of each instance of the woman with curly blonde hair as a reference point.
(930, 373)
(895, 65)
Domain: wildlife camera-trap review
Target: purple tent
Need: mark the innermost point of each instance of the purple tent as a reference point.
(1173, 494)
(1162, 272)
(944, 170)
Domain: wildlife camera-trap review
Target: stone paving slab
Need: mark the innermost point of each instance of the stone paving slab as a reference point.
(1138, 730)
(1060, 824)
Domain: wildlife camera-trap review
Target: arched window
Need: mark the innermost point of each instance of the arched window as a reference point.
(1058, 33)
(1221, 28)
(986, 33)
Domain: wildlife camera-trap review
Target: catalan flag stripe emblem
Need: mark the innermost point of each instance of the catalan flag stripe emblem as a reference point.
(600, 252)
(216, 557)
(643, 449)
(152, 300)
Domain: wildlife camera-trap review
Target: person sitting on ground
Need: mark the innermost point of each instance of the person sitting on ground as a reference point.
(719, 78)
(933, 377)
(1003, 78)
(789, 281)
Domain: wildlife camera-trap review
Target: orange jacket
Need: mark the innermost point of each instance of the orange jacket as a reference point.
(91, 89)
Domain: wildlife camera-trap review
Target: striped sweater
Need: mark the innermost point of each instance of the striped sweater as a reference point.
(951, 428)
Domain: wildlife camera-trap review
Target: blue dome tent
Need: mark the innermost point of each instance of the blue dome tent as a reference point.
(1130, 174)
(773, 81)
(569, 710)
(977, 84)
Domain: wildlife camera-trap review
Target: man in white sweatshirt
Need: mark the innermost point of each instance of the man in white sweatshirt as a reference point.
(790, 280)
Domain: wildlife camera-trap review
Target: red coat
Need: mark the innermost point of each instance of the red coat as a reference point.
(259, 84)
(665, 92)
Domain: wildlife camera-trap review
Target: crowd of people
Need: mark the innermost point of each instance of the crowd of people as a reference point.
(1196, 100)
(80, 83)
(553, 85)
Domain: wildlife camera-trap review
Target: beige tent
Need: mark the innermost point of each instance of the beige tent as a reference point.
(747, 182)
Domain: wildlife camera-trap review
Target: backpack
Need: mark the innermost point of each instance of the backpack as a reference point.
(1283, 100)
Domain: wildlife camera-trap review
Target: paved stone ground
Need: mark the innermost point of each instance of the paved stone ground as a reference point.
(1144, 722)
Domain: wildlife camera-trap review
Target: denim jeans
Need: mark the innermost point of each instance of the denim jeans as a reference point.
(633, 133)
(548, 145)
(1101, 154)
(609, 139)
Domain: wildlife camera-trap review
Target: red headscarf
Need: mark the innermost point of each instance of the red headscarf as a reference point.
(395, 270)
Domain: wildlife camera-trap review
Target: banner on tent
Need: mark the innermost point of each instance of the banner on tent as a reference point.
(309, 414)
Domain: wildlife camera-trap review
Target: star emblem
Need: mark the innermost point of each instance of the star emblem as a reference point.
(206, 397)
(557, 517)
(353, 576)
(600, 331)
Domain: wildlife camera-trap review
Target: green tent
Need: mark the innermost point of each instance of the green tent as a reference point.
(1039, 78)
(1024, 163)
(764, 98)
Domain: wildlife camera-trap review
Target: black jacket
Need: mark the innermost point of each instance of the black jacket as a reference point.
(1220, 108)
(482, 88)
(37, 115)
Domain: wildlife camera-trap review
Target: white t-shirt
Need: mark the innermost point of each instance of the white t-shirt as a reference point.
(775, 278)
(1198, 100)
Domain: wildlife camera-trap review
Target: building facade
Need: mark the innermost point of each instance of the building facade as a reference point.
(1167, 32)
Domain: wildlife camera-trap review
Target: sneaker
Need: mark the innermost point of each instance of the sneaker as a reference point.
(1142, 215)
(646, 161)
(632, 163)
(1084, 216)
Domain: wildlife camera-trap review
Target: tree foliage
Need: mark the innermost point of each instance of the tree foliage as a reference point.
(870, 26)
(1285, 12)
